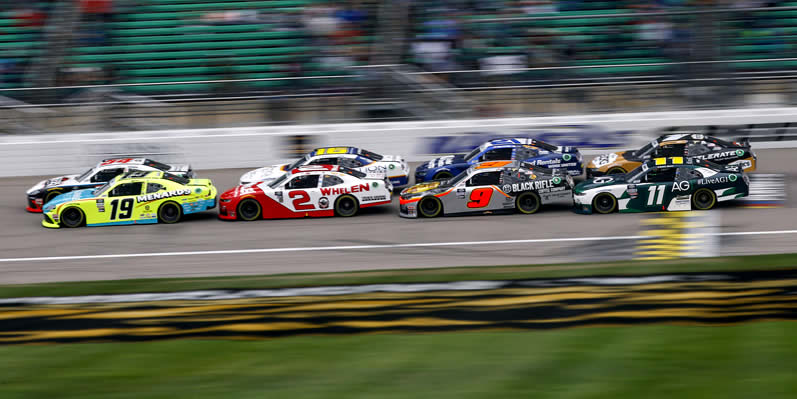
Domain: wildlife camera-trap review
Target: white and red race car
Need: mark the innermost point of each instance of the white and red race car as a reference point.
(374, 165)
(311, 190)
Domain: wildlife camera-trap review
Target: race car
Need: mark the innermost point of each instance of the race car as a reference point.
(375, 166)
(662, 184)
(139, 197)
(488, 187)
(691, 145)
(311, 190)
(534, 152)
(100, 174)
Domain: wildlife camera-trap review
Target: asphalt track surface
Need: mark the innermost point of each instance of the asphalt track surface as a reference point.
(377, 238)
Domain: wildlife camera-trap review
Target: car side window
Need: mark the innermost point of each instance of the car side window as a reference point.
(485, 179)
(351, 163)
(525, 153)
(154, 187)
(330, 180)
(688, 174)
(670, 150)
(304, 181)
(697, 149)
(125, 189)
(497, 154)
(106, 174)
(660, 175)
(324, 161)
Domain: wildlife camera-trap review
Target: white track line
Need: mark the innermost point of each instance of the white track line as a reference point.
(367, 247)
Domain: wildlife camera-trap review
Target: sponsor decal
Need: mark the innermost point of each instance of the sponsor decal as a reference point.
(375, 184)
(721, 155)
(346, 190)
(567, 157)
(739, 153)
(461, 191)
(392, 166)
(632, 191)
(536, 185)
(279, 196)
(681, 186)
(419, 188)
(715, 180)
(732, 178)
(603, 179)
(197, 190)
(605, 159)
(100, 205)
(374, 198)
(323, 202)
(164, 194)
(556, 180)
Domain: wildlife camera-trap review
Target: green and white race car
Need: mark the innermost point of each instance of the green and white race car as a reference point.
(662, 184)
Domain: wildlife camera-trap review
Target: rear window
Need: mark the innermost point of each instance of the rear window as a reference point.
(370, 155)
(175, 178)
(156, 165)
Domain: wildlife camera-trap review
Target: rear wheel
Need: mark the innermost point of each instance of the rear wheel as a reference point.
(527, 203)
(72, 217)
(604, 203)
(704, 199)
(346, 205)
(430, 207)
(170, 213)
(443, 174)
(616, 171)
(249, 209)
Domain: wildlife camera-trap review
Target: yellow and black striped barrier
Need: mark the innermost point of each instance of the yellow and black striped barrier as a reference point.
(672, 235)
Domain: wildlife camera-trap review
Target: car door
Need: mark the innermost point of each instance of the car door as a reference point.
(302, 194)
(476, 194)
(120, 203)
(682, 189)
(654, 189)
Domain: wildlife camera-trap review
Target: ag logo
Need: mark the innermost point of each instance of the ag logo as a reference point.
(733, 177)
(739, 153)
(323, 202)
(681, 186)
(601, 180)
(567, 157)
(557, 180)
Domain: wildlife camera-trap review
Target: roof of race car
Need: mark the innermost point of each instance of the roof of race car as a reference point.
(328, 168)
(672, 161)
(133, 161)
(334, 151)
(153, 174)
(518, 141)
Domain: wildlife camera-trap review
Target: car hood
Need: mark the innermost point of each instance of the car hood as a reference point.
(607, 159)
(67, 197)
(602, 181)
(445, 161)
(266, 173)
(54, 182)
(419, 189)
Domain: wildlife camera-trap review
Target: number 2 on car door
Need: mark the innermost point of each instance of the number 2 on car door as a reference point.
(125, 208)
(652, 194)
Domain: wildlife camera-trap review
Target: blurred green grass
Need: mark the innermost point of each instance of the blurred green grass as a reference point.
(762, 262)
(752, 360)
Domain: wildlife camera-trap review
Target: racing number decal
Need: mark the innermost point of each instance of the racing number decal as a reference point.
(480, 197)
(113, 161)
(332, 150)
(125, 207)
(303, 202)
(652, 194)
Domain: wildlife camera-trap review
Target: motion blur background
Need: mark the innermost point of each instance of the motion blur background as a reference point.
(122, 65)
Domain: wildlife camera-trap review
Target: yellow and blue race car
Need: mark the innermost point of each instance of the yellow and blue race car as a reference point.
(138, 197)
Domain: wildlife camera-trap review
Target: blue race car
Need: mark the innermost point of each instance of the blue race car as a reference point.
(534, 152)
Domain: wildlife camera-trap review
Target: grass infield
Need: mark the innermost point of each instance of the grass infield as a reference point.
(762, 262)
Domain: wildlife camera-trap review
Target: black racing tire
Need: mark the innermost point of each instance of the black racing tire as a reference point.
(170, 212)
(49, 196)
(430, 207)
(346, 206)
(704, 199)
(604, 203)
(528, 203)
(616, 171)
(443, 174)
(72, 217)
(249, 209)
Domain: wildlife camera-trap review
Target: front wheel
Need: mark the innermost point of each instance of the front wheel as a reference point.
(430, 207)
(249, 209)
(604, 203)
(346, 206)
(170, 213)
(704, 199)
(527, 203)
(72, 217)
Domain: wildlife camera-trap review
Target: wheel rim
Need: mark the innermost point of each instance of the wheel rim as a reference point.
(703, 199)
(528, 203)
(249, 210)
(604, 203)
(429, 207)
(346, 205)
(170, 213)
(71, 217)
